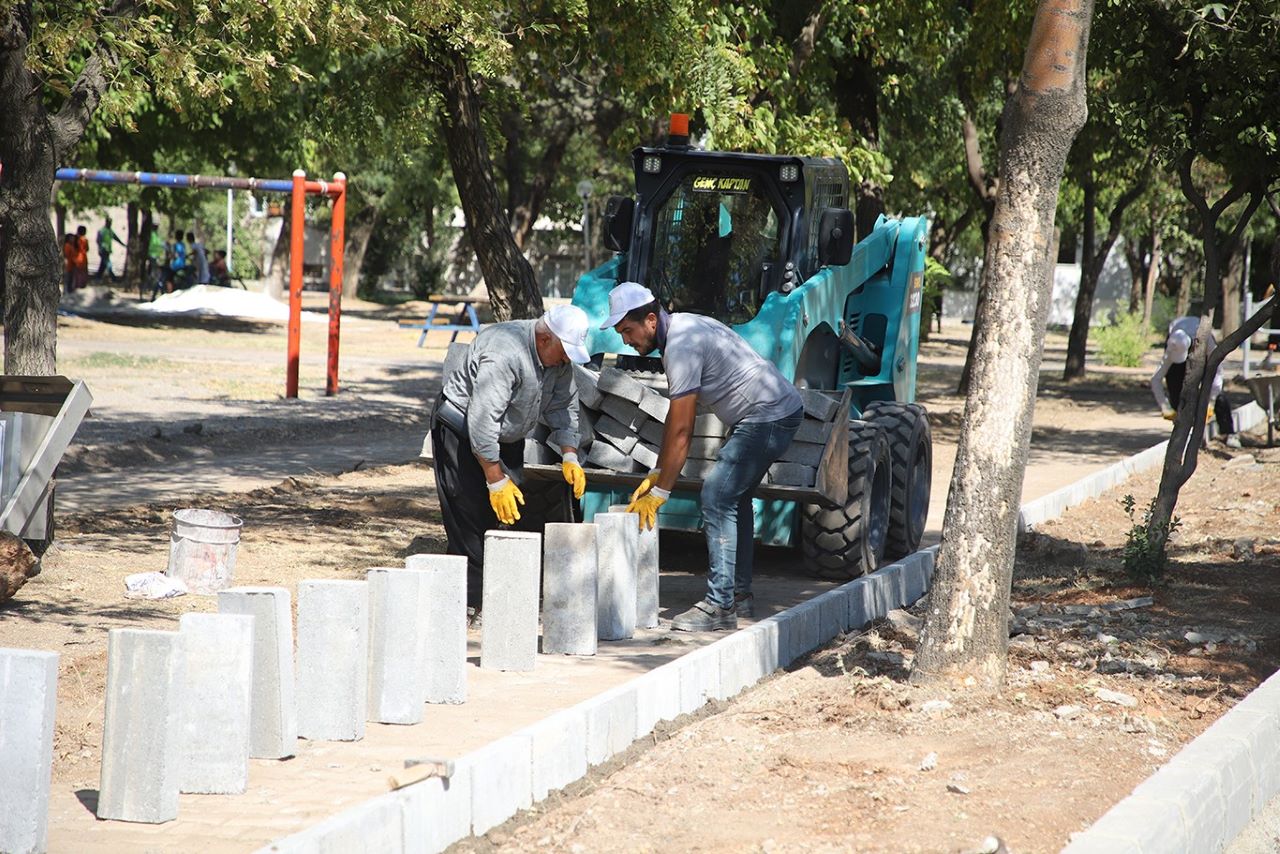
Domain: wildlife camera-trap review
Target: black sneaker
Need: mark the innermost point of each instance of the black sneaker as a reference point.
(744, 604)
(705, 617)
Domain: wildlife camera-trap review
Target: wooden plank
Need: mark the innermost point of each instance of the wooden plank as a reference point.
(25, 503)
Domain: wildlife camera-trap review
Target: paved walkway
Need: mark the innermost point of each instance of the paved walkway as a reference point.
(326, 777)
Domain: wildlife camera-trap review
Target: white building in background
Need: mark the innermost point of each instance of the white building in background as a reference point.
(1111, 296)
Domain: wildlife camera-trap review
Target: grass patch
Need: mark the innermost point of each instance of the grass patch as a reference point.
(119, 361)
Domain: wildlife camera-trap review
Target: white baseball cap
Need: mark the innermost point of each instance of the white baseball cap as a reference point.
(1178, 346)
(626, 297)
(569, 323)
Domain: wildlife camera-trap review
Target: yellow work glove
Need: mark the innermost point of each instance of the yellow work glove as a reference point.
(1208, 415)
(573, 474)
(1168, 415)
(503, 497)
(646, 506)
(649, 482)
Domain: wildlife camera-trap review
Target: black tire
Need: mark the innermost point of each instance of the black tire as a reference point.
(847, 542)
(911, 445)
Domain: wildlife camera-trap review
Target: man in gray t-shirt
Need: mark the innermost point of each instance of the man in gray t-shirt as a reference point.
(707, 362)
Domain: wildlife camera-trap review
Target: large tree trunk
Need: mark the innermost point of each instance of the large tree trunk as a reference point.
(966, 631)
(131, 241)
(513, 288)
(32, 143)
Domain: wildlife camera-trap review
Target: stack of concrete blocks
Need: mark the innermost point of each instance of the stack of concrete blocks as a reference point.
(512, 573)
(627, 417)
(569, 571)
(492, 784)
(273, 710)
(798, 465)
(617, 553)
(646, 573)
(444, 621)
(216, 702)
(142, 726)
(333, 659)
(397, 645)
(28, 695)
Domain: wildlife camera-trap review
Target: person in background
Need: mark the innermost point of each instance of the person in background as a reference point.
(1172, 374)
(82, 257)
(199, 261)
(68, 263)
(106, 237)
(176, 275)
(218, 268)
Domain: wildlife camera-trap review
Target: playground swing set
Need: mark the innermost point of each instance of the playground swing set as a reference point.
(299, 188)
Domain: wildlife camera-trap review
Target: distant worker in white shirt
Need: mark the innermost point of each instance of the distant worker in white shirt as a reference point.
(1173, 372)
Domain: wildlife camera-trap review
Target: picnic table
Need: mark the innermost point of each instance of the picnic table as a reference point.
(466, 319)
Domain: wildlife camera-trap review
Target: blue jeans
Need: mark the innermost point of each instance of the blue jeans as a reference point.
(727, 515)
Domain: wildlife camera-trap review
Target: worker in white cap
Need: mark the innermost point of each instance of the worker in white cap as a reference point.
(1172, 373)
(709, 364)
(516, 375)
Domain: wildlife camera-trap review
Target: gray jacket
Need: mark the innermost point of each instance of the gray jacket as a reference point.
(505, 390)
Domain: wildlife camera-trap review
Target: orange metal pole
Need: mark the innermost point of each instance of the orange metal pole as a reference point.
(297, 228)
(337, 240)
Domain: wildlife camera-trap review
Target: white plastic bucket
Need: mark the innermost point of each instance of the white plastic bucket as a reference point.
(202, 549)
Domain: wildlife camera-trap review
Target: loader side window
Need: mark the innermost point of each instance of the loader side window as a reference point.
(711, 239)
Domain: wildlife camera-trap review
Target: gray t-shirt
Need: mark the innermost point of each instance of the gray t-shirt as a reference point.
(706, 357)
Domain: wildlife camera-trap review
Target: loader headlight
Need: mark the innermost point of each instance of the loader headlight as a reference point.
(789, 172)
(652, 164)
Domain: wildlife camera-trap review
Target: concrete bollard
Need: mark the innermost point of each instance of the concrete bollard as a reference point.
(569, 589)
(444, 617)
(333, 659)
(28, 694)
(273, 711)
(646, 573)
(216, 702)
(142, 726)
(617, 547)
(397, 649)
(509, 631)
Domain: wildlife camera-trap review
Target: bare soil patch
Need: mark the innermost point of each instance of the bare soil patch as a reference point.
(835, 755)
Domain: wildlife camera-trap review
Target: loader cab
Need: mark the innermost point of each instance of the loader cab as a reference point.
(716, 232)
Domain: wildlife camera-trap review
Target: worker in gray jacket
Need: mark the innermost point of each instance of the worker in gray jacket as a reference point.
(517, 374)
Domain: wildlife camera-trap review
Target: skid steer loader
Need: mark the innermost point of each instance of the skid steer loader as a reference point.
(765, 244)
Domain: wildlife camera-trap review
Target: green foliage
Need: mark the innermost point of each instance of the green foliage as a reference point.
(1145, 560)
(1123, 342)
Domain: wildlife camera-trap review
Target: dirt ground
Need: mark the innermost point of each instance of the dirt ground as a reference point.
(841, 754)
(188, 412)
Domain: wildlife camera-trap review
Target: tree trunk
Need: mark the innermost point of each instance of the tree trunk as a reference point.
(986, 188)
(1092, 261)
(1232, 289)
(131, 241)
(359, 231)
(277, 279)
(1183, 452)
(59, 221)
(527, 207)
(32, 143)
(513, 289)
(1153, 276)
(33, 260)
(1089, 271)
(966, 629)
(139, 245)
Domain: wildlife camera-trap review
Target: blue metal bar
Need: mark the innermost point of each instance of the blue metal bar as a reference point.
(198, 182)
